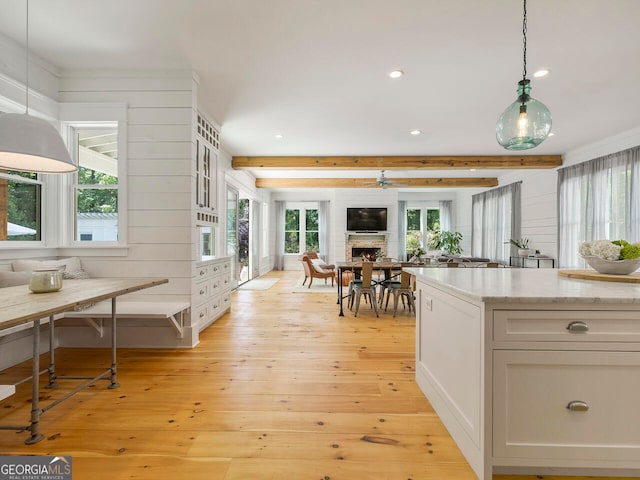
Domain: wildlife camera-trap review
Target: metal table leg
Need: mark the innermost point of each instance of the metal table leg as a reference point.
(114, 367)
(341, 314)
(52, 359)
(36, 436)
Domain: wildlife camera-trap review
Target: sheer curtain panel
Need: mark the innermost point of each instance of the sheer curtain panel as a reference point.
(279, 256)
(598, 200)
(402, 230)
(495, 219)
(323, 229)
(445, 215)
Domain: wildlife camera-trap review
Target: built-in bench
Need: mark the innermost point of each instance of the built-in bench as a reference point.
(173, 312)
(7, 391)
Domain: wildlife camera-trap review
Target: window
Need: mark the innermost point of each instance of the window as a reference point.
(301, 230)
(292, 231)
(312, 240)
(96, 187)
(421, 222)
(20, 206)
(598, 200)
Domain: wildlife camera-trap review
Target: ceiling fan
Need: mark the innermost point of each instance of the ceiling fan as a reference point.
(384, 182)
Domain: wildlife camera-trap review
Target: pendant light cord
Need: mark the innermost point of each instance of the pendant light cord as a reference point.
(27, 69)
(524, 41)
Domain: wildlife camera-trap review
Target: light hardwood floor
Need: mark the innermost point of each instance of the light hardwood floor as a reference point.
(280, 388)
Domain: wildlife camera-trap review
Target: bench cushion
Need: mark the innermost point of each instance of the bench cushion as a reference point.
(11, 279)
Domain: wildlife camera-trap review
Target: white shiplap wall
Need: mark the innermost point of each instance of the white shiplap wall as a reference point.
(161, 229)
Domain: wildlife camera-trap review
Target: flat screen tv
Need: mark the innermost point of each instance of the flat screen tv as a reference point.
(367, 219)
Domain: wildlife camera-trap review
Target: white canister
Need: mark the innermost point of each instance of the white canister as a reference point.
(45, 280)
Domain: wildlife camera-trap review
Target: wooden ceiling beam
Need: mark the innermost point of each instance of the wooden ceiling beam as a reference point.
(400, 162)
(371, 182)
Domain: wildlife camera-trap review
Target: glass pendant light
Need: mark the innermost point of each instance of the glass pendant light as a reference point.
(526, 123)
(30, 144)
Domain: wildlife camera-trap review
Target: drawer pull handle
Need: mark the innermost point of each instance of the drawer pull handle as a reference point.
(578, 406)
(578, 327)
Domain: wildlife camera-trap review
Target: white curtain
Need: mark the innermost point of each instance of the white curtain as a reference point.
(598, 200)
(402, 230)
(323, 229)
(495, 218)
(279, 256)
(445, 215)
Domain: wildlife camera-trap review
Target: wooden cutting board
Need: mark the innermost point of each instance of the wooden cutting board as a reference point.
(602, 277)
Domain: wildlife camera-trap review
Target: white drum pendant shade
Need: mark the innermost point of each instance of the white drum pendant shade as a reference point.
(30, 144)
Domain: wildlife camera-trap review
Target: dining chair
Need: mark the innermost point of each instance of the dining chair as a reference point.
(450, 265)
(403, 289)
(366, 288)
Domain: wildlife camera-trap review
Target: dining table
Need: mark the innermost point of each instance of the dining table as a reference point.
(20, 306)
(389, 270)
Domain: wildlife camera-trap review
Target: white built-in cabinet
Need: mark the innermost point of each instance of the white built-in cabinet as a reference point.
(211, 292)
(206, 194)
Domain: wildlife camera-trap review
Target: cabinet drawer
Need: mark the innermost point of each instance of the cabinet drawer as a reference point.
(532, 392)
(202, 272)
(202, 291)
(565, 326)
(200, 314)
(225, 282)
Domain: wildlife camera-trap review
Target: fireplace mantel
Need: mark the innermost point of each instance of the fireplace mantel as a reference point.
(366, 236)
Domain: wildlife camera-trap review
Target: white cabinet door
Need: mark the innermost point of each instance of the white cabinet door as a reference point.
(557, 405)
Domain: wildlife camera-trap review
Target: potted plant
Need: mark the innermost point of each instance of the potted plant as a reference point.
(522, 244)
(448, 242)
(416, 253)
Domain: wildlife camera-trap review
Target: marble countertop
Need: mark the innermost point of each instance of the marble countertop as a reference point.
(526, 285)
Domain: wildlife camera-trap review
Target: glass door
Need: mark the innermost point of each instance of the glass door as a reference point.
(232, 235)
(255, 239)
(244, 229)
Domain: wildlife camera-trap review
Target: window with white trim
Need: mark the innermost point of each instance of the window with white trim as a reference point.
(96, 184)
(20, 206)
(301, 230)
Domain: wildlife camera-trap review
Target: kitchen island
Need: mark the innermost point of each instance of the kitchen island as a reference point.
(532, 372)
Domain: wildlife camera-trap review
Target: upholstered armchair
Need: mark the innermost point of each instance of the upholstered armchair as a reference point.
(312, 271)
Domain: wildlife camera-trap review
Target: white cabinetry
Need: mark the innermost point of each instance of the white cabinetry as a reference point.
(211, 293)
(206, 195)
(541, 377)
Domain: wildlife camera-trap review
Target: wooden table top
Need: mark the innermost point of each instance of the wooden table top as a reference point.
(18, 305)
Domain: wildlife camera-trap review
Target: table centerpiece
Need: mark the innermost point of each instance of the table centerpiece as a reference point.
(617, 257)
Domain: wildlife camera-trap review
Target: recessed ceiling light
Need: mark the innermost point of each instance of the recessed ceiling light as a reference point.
(396, 73)
(278, 136)
(415, 132)
(541, 73)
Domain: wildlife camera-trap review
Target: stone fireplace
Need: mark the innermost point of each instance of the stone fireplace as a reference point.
(358, 245)
(369, 254)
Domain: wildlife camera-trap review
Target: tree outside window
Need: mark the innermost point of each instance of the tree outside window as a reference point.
(312, 238)
(301, 230)
(292, 231)
(417, 236)
(97, 185)
(20, 206)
